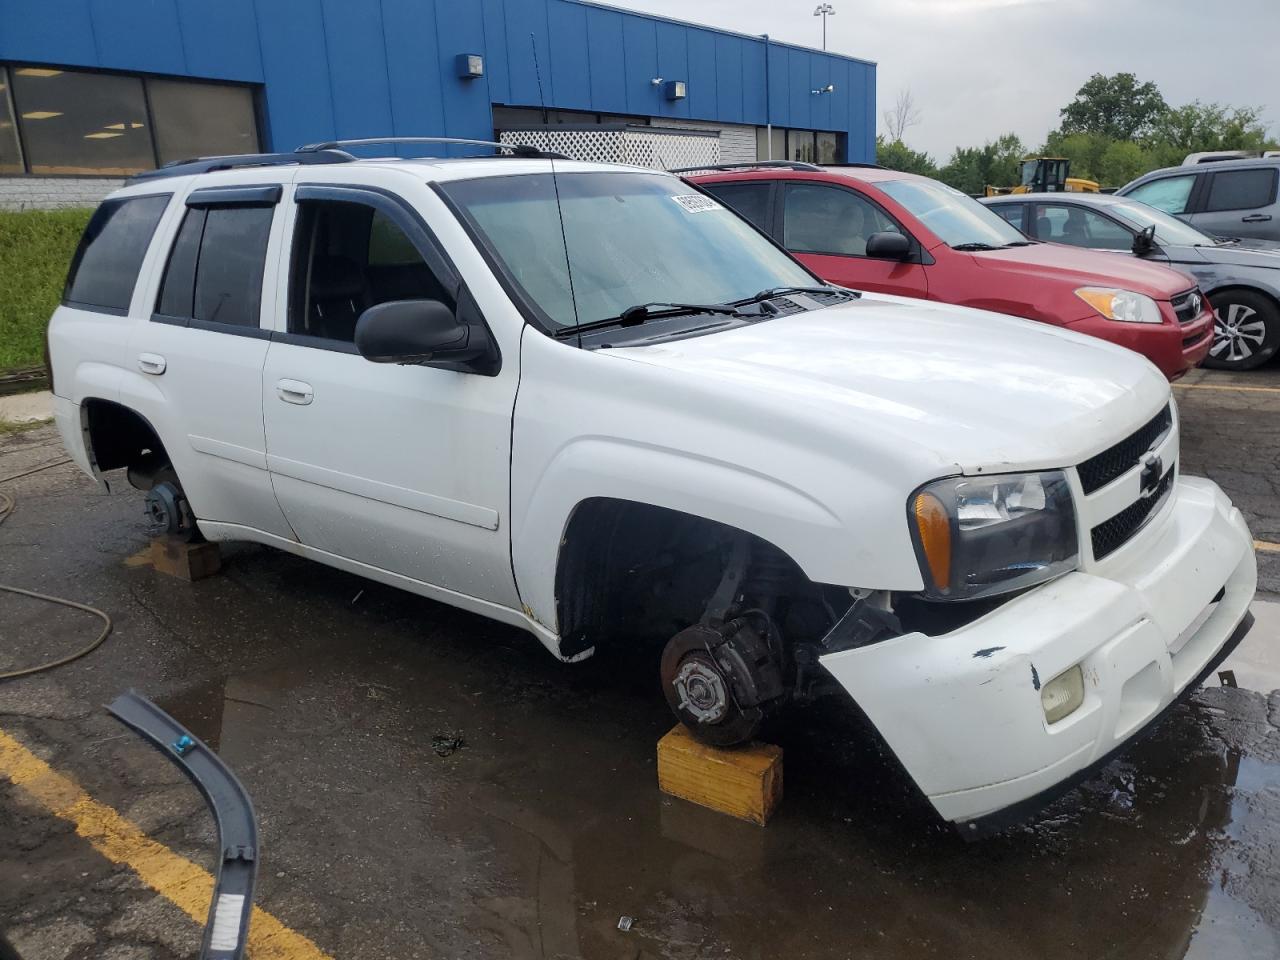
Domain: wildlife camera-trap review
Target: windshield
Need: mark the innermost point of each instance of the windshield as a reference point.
(631, 238)
(956, 218)
(1170, 231)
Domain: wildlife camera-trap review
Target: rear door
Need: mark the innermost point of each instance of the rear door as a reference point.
(827, 227)
(753, 199)
(401, 468)
(198, 358)
(1240, 203)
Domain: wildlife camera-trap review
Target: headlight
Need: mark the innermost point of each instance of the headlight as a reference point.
(1121, 304)
(982, 536)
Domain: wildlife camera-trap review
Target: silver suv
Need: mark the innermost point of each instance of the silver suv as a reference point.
(1228, 198)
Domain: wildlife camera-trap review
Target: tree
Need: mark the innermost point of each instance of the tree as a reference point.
(896, 155)
(1211, 126)
(903, 116)
(1118, 107)
(970, 169)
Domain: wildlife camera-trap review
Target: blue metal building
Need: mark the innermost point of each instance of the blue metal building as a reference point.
(97, 88)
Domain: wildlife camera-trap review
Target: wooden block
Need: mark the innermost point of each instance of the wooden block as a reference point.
(186, 561)
(744, 782)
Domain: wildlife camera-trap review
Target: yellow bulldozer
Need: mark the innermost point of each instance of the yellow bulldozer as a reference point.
(1046, 175)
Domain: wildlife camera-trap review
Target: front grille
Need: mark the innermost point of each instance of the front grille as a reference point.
(1187, 306)
(1112, 534)
(1198, 338)
(1102, 468)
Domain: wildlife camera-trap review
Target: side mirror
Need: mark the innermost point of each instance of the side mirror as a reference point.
(888, 246)
(415, 331)
(1145, 241)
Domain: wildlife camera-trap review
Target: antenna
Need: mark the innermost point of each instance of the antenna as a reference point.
(555, 185)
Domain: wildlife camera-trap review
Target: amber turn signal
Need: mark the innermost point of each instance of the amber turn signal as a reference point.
(934, 527)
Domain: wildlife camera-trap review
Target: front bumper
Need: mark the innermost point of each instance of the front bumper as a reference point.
(962, 710)
(1173, 347)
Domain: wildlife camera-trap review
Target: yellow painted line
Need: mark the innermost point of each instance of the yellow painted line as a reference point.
(1223, 386)
(186, 885)
(1266, 547)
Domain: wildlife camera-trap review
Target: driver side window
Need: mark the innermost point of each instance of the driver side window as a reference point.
(832, 220)
(348, 257)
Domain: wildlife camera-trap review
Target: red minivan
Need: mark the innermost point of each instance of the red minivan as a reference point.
(873, 229)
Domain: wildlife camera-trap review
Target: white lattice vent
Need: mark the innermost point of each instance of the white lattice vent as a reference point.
(654, 147)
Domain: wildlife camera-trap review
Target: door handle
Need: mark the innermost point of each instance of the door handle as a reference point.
(152, 363)
(1256, 218)
(295, 391)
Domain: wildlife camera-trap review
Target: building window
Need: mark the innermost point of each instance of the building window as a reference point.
(10, 155)
(104, 124)
(201, 119)
(522, 118)
(806, 146)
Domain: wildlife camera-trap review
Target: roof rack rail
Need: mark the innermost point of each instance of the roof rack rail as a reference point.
(517, 149)
(182, 168)
(776, 164)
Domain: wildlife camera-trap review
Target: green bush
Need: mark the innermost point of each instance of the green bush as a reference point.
(36, 247)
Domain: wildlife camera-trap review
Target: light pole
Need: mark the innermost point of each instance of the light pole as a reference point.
(824, 10)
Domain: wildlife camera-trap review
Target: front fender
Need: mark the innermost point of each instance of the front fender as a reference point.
(596, 466)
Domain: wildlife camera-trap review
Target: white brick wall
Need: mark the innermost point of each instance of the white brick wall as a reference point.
(49, 193)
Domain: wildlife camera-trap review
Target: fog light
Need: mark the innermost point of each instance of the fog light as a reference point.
(1062, 695)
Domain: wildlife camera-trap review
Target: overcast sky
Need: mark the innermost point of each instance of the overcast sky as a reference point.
(980, 68)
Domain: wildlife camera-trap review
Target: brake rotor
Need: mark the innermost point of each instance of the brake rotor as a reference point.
(700, 692)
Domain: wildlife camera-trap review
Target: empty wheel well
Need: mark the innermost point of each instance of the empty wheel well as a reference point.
(634, 572)
(120, 437)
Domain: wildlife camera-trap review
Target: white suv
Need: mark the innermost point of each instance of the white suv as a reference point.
(590, 401)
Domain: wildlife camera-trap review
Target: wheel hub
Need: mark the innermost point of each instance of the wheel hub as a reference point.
(701, 690)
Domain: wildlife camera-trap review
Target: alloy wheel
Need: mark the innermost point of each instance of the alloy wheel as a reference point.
(1238, 333)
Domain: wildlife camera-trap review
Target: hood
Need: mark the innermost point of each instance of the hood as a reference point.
(1244, 253)
(1053, 262)
(946, 387)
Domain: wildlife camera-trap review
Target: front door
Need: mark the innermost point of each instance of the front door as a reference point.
(403, 468)
(827, 228)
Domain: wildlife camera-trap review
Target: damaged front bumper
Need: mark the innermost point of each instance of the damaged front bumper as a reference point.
(962, 711)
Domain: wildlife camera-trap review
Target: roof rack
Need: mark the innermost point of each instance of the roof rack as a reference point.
(775, 164)
(330, 151)
(517, 149)
(182, 168)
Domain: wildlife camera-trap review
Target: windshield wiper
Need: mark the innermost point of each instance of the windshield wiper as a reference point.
(783, 291)
(973, 246)
(1019, 243)
(634, 316)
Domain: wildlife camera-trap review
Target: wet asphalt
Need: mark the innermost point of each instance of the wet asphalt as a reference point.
(328, 695)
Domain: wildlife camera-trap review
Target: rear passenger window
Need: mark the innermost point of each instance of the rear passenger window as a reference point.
(1241, 190)
(214, 274)
(105, 267)
(749, 199)
(348, 257)
(1012, 212)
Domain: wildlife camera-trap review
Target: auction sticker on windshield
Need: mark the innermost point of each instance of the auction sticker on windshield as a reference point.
(696, 203)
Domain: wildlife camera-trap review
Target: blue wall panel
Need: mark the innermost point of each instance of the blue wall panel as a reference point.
(569, 57)
(61, 31)
(220, 41)
(295, 69)
(607, 54)
(357, 68)
(673, 64)
(640, 40)
(141, 35)
(350, 68)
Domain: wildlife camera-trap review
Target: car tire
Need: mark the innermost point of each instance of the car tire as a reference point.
(1247, 332)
